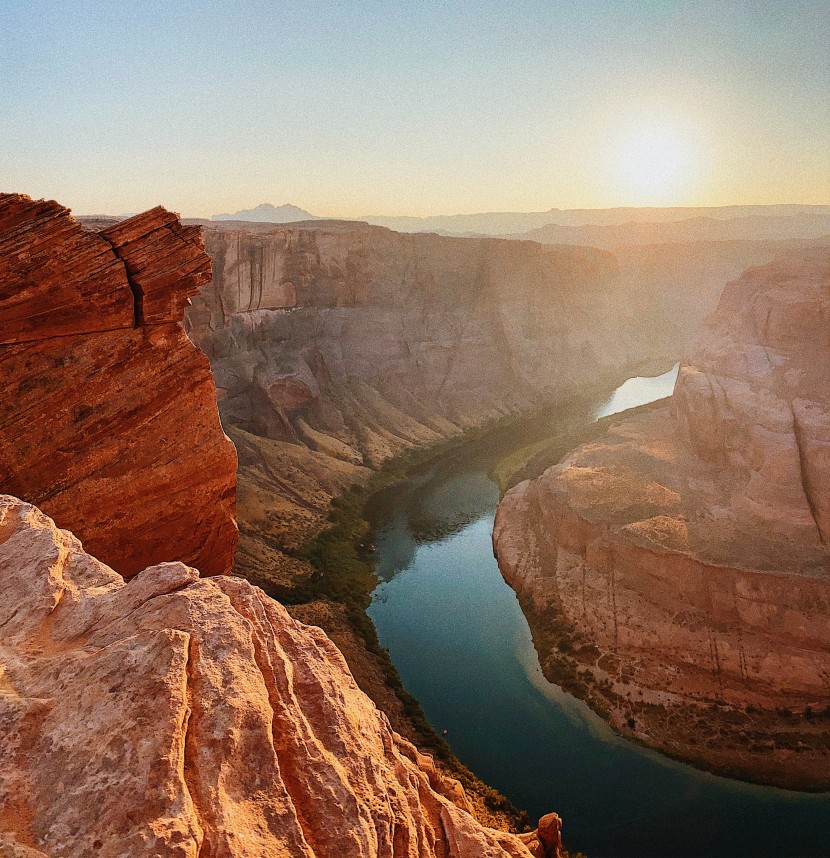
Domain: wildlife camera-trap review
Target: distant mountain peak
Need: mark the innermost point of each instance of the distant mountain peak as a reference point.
(268, 213)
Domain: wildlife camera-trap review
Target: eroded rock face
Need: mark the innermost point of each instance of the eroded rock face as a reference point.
(355, 338)
(175, 715)
(108, 419)
(676, 572)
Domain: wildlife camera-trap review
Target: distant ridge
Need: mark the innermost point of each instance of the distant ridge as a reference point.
(266, 213)
(757, 227)
(515, 223)
(599, 227)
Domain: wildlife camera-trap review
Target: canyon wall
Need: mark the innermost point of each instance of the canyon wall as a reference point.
(108, 419)
(676, 571)
(357, 343)
(174, 715)
(361, 342)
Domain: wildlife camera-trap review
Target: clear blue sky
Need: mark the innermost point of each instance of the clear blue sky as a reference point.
(349, 108)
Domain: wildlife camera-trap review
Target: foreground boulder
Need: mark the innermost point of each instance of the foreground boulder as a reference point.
(108, 417)
(174, 715)
(676, 572)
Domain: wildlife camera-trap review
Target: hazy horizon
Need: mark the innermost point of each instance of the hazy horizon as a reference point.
(395, 109)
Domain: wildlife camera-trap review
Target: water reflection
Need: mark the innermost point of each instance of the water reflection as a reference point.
(462, 646)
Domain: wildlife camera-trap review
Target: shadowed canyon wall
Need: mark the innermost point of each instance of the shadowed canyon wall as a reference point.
(108, 418)
(676, 571)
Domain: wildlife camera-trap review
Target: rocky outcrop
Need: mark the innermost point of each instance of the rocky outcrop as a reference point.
(676, 571)
(183, 716)
(108, 419)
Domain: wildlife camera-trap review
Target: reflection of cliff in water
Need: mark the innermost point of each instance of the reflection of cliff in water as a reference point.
(431, 508)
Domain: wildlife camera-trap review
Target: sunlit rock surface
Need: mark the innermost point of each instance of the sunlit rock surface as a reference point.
(183, 716)
(108, 418)
(676, 571)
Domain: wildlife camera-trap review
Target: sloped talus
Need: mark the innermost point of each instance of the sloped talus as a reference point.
(108, 417)
(174, 715)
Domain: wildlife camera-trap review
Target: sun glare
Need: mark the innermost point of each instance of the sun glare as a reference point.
(655, 165)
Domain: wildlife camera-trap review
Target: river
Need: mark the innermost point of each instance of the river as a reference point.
(462, 646)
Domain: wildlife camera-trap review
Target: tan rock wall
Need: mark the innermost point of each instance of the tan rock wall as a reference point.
(379, 340)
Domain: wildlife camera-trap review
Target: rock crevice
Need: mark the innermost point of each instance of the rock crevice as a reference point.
(108, 419)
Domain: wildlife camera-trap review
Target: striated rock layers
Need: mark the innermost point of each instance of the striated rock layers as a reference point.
(174, 715)
(676, 572)
(360, 342)
(108, 418)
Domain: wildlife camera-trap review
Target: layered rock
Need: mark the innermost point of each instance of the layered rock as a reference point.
(676, 571)
(360, 342)
(183, 716)
(108, 419)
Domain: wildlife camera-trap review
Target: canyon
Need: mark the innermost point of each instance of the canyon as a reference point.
(335, 348)
(152, 710)
(675, 569)
(337, 345)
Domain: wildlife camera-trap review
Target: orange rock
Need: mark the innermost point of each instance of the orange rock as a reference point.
(687, 548)
(108, 419)
(56, 278)
(176, 716)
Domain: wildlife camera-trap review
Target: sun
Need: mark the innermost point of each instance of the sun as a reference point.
(655, 165)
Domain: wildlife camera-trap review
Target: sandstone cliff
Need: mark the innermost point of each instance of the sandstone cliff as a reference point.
(358, 343)
(108, 419)
(181, 716)
(676, 571)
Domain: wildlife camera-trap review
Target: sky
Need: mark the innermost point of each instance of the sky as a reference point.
(351, 108)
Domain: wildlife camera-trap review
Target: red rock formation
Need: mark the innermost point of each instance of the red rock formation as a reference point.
(108, 419)
(179, 716)
(678, 567)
